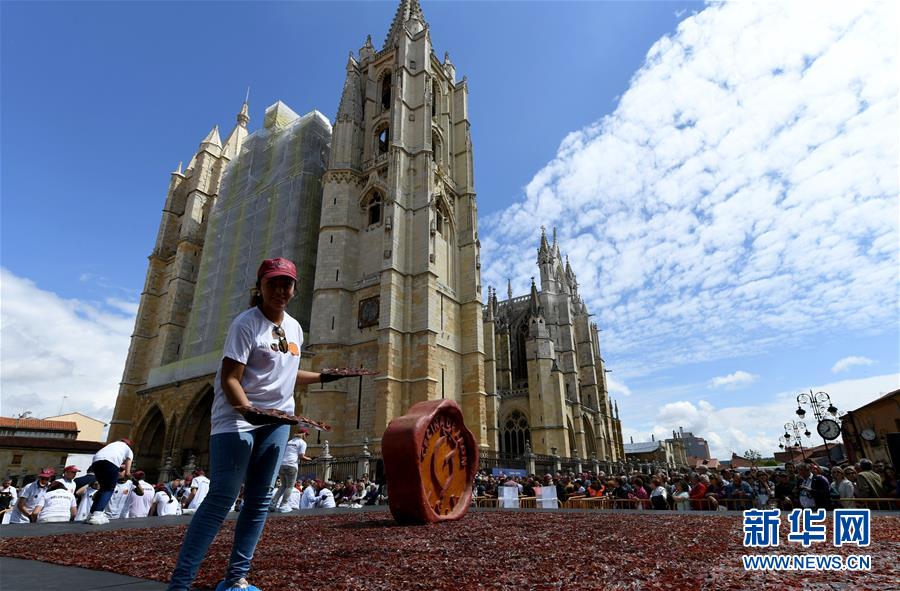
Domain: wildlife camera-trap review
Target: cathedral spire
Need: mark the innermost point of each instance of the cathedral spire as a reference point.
(351, 108)
(534, 304)
(408, 10)
(212, 138)
(616, 403)
(544, 250)
(237, 136)
(490, 305)
(509, 289)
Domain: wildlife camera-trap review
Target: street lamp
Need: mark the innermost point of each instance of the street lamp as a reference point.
(827, 427)
(796, 427)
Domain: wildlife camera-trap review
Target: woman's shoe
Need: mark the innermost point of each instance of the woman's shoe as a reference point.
(240, 585)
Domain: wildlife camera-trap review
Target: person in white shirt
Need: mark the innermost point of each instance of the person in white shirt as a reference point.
(68, 478)
(325, 498)
(86, 494)
(294, 451)
(682, 496)
(659, 495)
(310, 493)
(120, 500)
(199, 490)
(57, 504)
(139, 505)
(23, 512)
(296, 495)
(165, 503)
(106, 467)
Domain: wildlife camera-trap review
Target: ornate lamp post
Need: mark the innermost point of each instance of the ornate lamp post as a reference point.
(828, 428)
(792, 436)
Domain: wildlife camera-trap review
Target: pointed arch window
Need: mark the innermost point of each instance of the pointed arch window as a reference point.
(435, 148)
(373, 208)
(515, 434)
(386, 92)
(435, 97)
(382, 140)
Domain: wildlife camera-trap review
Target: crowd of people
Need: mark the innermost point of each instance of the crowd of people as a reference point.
(708, 489)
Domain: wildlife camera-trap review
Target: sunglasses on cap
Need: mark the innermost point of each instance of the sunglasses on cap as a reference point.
(278, 332)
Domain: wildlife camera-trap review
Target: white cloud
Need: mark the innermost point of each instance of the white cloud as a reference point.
(616, 387)
(738, 428)
(734, 380)
(848, 362)
(52, 348)
(742, 195)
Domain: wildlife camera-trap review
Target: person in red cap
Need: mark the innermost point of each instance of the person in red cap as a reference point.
(106, 466)
(68, 477)
(260, 368)
(294, 451)
(31, 495)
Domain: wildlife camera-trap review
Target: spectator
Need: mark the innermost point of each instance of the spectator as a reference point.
(108, 463)
(659, 496)
(639, 492)
(841, 488)
(699, 486)
(682, 496)
(868, 483)
(139, 504)
(814, 491)
(764, 490)
(784, 492)
(68, 478)
(296, 495)
(739, 494)
(294, 451)
(23, 512)
(57, 504)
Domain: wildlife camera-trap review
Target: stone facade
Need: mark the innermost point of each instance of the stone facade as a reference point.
(391, 266)
(549, 383)
(397, 279)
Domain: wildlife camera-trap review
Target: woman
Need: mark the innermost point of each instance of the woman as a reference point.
(841, 488)
(260, 366)
(764, 490)
(682, 496)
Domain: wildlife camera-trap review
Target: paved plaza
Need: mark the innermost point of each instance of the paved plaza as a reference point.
(523, 549)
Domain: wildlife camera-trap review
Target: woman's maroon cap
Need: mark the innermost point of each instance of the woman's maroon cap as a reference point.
(275, 268)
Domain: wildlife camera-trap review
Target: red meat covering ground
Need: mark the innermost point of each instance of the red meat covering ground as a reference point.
(484, 550)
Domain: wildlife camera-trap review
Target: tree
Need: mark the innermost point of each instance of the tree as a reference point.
(753, 456)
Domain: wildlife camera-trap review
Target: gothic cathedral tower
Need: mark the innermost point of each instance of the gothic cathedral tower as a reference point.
(397, 283)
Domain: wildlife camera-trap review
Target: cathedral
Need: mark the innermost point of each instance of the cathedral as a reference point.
(379, 213)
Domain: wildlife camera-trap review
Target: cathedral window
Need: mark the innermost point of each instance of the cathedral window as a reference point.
(383, 138)
(386, 92)
(374, 208)
(435, 96)
(515, 434)
(435, 148)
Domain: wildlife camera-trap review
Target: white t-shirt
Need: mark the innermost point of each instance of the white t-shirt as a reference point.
(308, 500)
(293, 451)
(56, 505)
(84, 505)
(659, 491)
(12, 493)
(139, 505)
(326, 499)
(69, 484)
(116, 452)
(201, 485)
(117, 502)
(164, 507)
(32, 493)
(682, 501)
(269, 375)
(294, 499)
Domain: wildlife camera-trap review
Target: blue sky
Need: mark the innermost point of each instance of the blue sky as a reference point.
(724, 179)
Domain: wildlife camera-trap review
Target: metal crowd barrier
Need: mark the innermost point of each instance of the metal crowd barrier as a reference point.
(707, 504)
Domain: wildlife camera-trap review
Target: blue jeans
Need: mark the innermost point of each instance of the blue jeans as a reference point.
(251, 458)
(107, 475)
